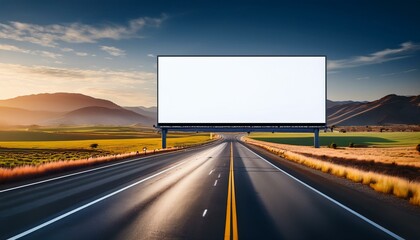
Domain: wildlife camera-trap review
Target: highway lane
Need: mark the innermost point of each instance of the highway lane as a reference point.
(392, 214)
(205, 193)
(25, 208)
(287, 209)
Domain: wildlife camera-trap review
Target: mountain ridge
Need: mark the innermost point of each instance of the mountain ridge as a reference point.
(86, 110)
(56, 102)
(102, 116)
(68, 109)
(390, 109)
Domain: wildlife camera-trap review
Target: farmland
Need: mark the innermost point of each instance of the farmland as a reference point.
(396, 148)
(361, 139)
(387, 162)
(19, 147)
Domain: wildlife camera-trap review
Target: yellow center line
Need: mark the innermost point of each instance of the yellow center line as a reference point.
(231, 203)
(228, 210)
(234, 218)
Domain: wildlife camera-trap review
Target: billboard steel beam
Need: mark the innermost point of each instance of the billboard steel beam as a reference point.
(165, 130)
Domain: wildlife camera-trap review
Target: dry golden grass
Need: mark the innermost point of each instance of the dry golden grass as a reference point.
(399, 187)
(30, 171)
(404, 156)
(20, 153)
(24, 172)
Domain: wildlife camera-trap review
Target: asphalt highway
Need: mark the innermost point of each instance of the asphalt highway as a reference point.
(225, 190)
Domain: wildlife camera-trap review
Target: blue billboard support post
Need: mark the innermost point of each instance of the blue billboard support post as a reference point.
(316, 137)
(164, 132)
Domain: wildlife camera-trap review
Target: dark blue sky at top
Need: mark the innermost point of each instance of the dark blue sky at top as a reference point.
(338, 29)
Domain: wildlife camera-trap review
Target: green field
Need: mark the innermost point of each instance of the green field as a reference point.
(380, 139)
(33, 147)
(76, 133)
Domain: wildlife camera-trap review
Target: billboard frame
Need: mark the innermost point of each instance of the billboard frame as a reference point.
(241, 127)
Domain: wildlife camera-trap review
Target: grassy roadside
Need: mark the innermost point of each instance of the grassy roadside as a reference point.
(37, 151)
(374, 139)
(397, 186)
(401, 153)
(31, 171)
(21, 153)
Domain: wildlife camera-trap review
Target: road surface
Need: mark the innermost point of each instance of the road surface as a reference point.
(225, 190)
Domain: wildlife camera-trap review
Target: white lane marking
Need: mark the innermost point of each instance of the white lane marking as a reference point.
(211, 150)
(332, 200)
(211, 171)
(91, 203)
(215, 183)
(77, 173)
(218, 176)
(204, 213)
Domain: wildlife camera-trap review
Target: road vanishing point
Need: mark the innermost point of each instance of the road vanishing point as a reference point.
(223, 190)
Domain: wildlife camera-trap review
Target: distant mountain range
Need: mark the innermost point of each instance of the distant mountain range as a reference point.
(331, 104)
(391, 109)
(77, 109)
(148, 112)
(70, 109)
(56, 102)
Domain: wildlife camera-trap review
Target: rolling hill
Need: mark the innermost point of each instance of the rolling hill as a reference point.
(56, 102)
(102, 116)
(150, 112)
(69, 109)
(336, 103)
(78, 109)
(391, 109)
(17, 116)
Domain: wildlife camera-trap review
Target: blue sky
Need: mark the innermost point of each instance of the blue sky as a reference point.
(107, 49)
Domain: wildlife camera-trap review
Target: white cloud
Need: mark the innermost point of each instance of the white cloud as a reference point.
(12, 48)
(41, 53)
(123, 87)
(410, 70)
(388, 74)
(150, 55)
(51, 35)
(64, 74)
(395, 73)
(113, 51)
(48, 54)
(382, 56)
(67, 49)
(82, 54)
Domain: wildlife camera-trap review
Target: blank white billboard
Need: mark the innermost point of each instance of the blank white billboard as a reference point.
(241, 90)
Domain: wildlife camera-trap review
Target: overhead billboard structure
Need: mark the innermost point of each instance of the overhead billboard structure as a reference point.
(241, 91)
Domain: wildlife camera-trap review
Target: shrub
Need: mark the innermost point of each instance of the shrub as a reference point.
(351, 144)
(94, 145)
(418, 148)
(333, 145)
